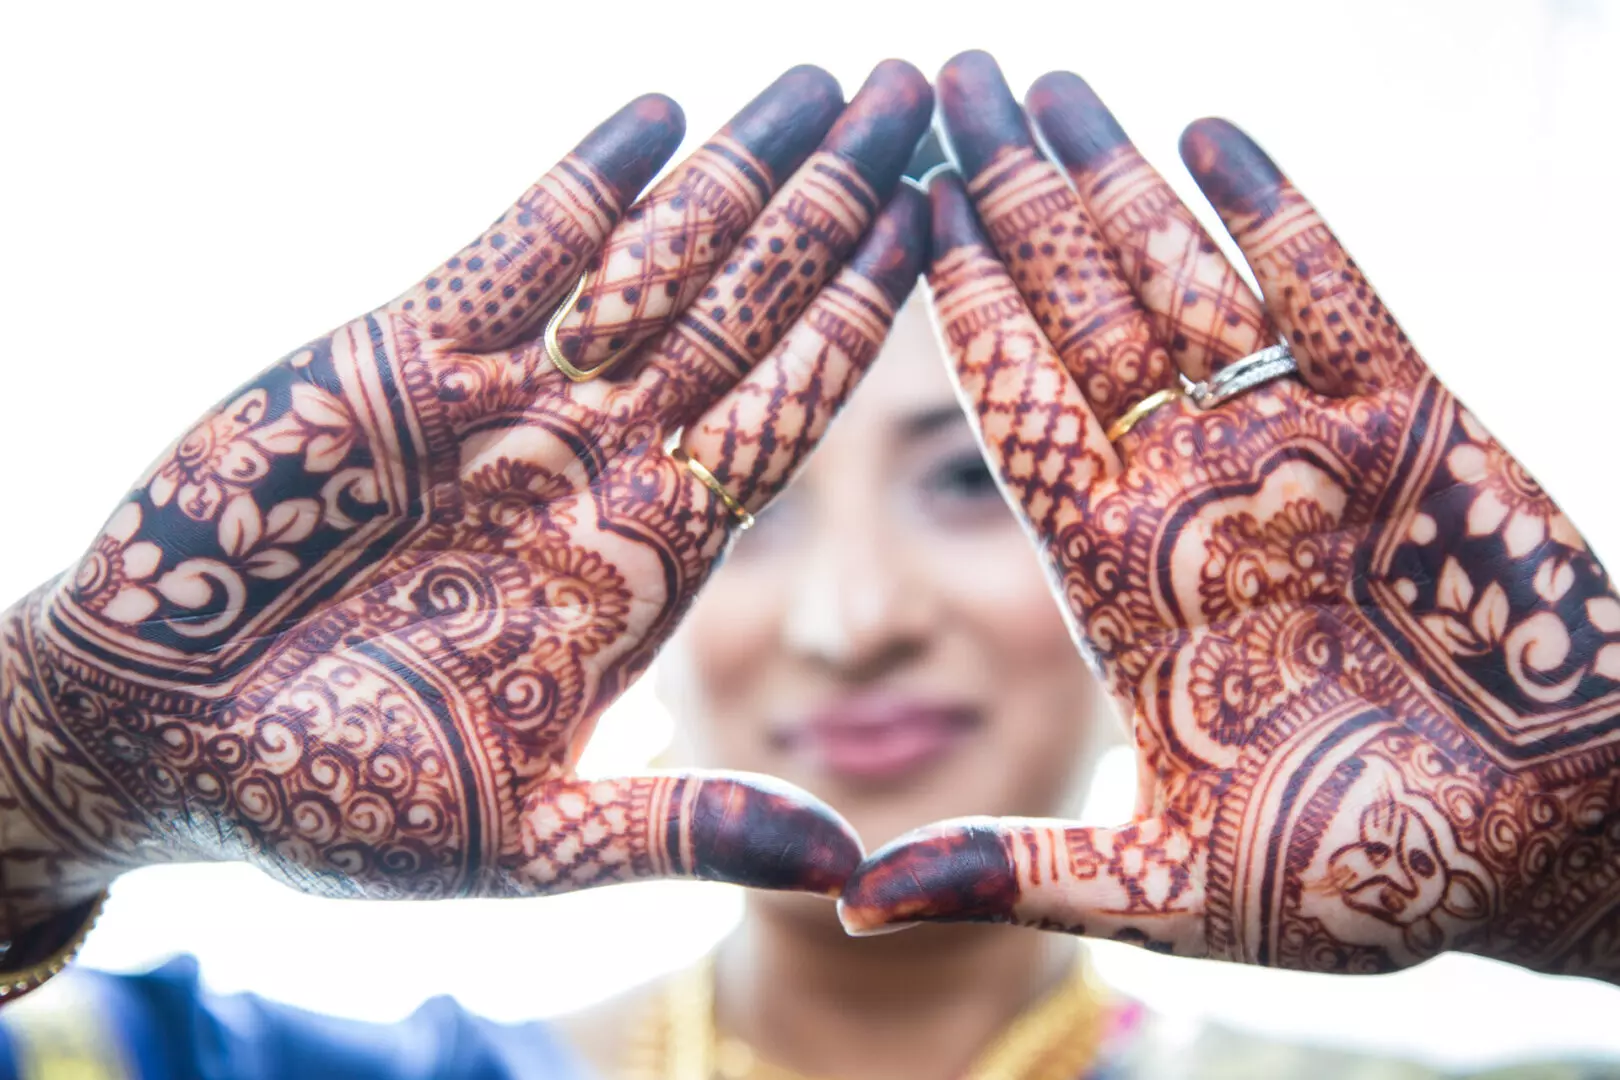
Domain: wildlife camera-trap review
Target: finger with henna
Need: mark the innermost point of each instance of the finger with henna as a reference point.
(797, 244)
(733, 827)
(755, 438)
(1343, 336)
(672, 241)
(1065, 269)
(497, 288)
(1201, 307)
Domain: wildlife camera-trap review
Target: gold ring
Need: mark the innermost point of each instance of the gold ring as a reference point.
(1135, 413)
(554, 350)
(745, 520)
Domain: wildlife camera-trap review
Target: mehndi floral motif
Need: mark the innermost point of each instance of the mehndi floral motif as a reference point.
(114, 576)
(1506, 500)
(1372, 671)
(358, 623)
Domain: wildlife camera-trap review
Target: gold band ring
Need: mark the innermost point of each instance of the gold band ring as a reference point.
(1135, 414)
(554, 350)
(745, 520)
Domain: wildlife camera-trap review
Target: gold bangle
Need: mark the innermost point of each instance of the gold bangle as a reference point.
(16, 983)
(1134, 415)
(554, 348)
(745, 520)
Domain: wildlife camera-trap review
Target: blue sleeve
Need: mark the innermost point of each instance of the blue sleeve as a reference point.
(164, 1024)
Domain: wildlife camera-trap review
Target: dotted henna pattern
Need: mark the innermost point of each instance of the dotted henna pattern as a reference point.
(673, 240)
(1372, 669)
(1200, 306)
(1068, 274)
(358, 623)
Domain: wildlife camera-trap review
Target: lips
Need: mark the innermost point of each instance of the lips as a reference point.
(875, 739)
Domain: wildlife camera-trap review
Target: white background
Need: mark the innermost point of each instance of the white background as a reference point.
(189, 191)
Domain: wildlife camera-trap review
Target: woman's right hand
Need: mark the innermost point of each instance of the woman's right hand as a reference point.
(356, 625)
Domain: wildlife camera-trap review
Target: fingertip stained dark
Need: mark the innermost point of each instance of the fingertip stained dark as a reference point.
(785, 121)
(881, 127)
(965, 874)
(982, 118)
(763, 839)
(1073, 120)
(629, 147)
(1234, 173)
(895, 249)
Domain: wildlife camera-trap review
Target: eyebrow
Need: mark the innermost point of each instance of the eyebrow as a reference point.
(922, 424)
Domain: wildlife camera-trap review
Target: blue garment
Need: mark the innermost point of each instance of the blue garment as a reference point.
(165, 1024)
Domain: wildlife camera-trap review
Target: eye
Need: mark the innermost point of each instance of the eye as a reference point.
(960, 490)
(963, 475)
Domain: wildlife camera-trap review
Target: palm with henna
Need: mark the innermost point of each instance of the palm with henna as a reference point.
(357, 624)
(1372, 671)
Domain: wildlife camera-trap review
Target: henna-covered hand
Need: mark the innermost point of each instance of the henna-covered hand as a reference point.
(357, 624)
(1373, 671)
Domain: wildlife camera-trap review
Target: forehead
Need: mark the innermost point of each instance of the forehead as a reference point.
(907, 378)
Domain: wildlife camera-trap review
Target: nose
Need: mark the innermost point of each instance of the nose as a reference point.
(857, 604)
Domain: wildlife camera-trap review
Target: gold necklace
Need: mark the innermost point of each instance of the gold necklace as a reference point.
(1055, 1039)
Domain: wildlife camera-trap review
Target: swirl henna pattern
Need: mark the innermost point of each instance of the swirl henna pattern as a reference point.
(357, 624)
(1373, 671)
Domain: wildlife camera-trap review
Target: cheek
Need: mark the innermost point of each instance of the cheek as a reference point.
(1047, 699)
(721, 652)
(993, 578)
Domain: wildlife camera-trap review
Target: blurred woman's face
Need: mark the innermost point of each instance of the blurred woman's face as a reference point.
(884, 636)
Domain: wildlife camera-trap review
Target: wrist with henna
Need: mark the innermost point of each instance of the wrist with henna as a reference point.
(358, 623)
(1373, 672)
(64, 831)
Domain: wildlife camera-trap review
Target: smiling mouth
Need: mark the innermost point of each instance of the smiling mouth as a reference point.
(877, 740)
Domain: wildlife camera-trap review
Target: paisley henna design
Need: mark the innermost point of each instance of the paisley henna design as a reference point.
(1373, 671)
(357, 625)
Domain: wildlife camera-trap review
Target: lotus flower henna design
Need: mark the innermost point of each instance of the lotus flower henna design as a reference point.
(1372, 671)
(1506, 500)
(114, 578)
(358, 624)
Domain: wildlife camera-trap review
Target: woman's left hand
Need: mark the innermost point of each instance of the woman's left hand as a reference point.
(1373, 671)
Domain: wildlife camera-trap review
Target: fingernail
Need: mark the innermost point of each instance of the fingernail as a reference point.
(764, 834)
(955, 224)
(1073, 120)
(896, 246)
(981, 115)
(1231, 169)
(629, 147)
(880, 129)
(955, 873)
(872, 931)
